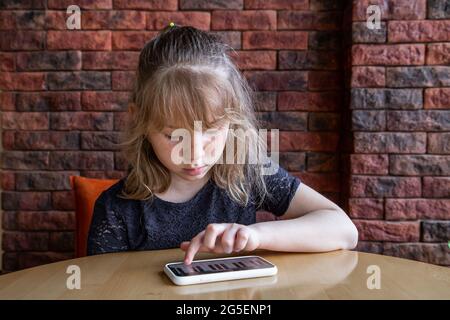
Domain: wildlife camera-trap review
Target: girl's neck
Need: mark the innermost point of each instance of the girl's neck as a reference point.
(181, 185)
(181, 190)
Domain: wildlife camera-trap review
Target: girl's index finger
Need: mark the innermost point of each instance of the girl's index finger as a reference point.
(193, 248)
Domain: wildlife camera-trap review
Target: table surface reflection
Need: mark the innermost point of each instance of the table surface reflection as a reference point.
(338, 274)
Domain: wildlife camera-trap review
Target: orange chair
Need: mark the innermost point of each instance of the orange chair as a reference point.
(86, 191)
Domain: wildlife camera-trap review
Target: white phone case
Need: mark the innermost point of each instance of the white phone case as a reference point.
(220, 276)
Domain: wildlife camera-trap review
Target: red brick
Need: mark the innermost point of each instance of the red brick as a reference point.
(8, 139)
(324, 80)
(7, 180)
(369, 164)
(276, 4)
(45, 220)
(402, 54)
(366, 208)
(209, 5)
(63, 60)
(275, 40)
(61, 241)
(22, 40)
(309, 101)
(30, 4)
(22, 81)
(436, 187)
(376, 230)
(79, 40)
(131, 40)
(391, 9)
(368, 77)
(81, 121)
(110, 60)
(120, 161)
(108, 174)
(308, 20)
(160, 20)
(244, 20)
(285, 120)
(7, 61)
(322, 182)
(123, 80)
(63, 200)
(437, 98)
(370, 247)
(419, 165)
(324, 121)
(46, 140)
(308, 59)
(146, 4)
(25, 241)
(25, 160)
(120, 120)
(370, 186)
(29, 200)
(81, 160)
(257, 59)
(16, 20)
(108, 140)
(435, 253)
(438, 53)
(413, 209)
(307, 141)
(105, 100)
(43, 180)
(25, 120)
(277, 80)
(56, 20)
(79, 80)
(231, 38)
(439, 143)
(321, 162)
(418, 120)
(419, 31)
(7, 101)
(83, 4)
(121, 19)
(390, 142)
(48, 101)
(32, 259)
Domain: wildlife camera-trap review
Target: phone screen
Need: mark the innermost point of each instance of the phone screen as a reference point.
(219, 265)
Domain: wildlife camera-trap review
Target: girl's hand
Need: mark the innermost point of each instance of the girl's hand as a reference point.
(221, 238)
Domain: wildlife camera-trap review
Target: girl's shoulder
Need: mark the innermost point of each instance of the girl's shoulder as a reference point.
(111, 194)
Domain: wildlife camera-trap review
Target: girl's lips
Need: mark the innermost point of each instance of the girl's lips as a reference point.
(194, 171)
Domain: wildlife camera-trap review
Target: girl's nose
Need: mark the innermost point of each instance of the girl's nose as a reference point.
(199, 142)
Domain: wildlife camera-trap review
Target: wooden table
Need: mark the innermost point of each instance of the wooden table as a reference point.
(139, 275)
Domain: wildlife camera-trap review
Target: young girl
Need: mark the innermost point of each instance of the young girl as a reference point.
(206, 204)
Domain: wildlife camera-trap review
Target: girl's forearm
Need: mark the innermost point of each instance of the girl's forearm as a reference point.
(321, 230)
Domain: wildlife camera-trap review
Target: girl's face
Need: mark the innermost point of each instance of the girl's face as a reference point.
(206, 148)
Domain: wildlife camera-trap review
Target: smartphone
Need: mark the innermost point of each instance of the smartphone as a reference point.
(219, 269)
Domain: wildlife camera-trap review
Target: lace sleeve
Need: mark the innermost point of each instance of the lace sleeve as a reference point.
(281, 187)
(107, 232)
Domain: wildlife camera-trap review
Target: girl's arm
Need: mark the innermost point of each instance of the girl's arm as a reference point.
(107, 232)
(311, 223)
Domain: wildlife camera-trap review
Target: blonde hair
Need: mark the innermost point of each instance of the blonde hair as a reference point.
(185, 74)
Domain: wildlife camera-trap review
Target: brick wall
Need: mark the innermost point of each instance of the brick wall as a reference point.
(400, 118)
(65, 94)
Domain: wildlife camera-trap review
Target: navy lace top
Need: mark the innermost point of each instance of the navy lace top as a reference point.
(122, 224)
